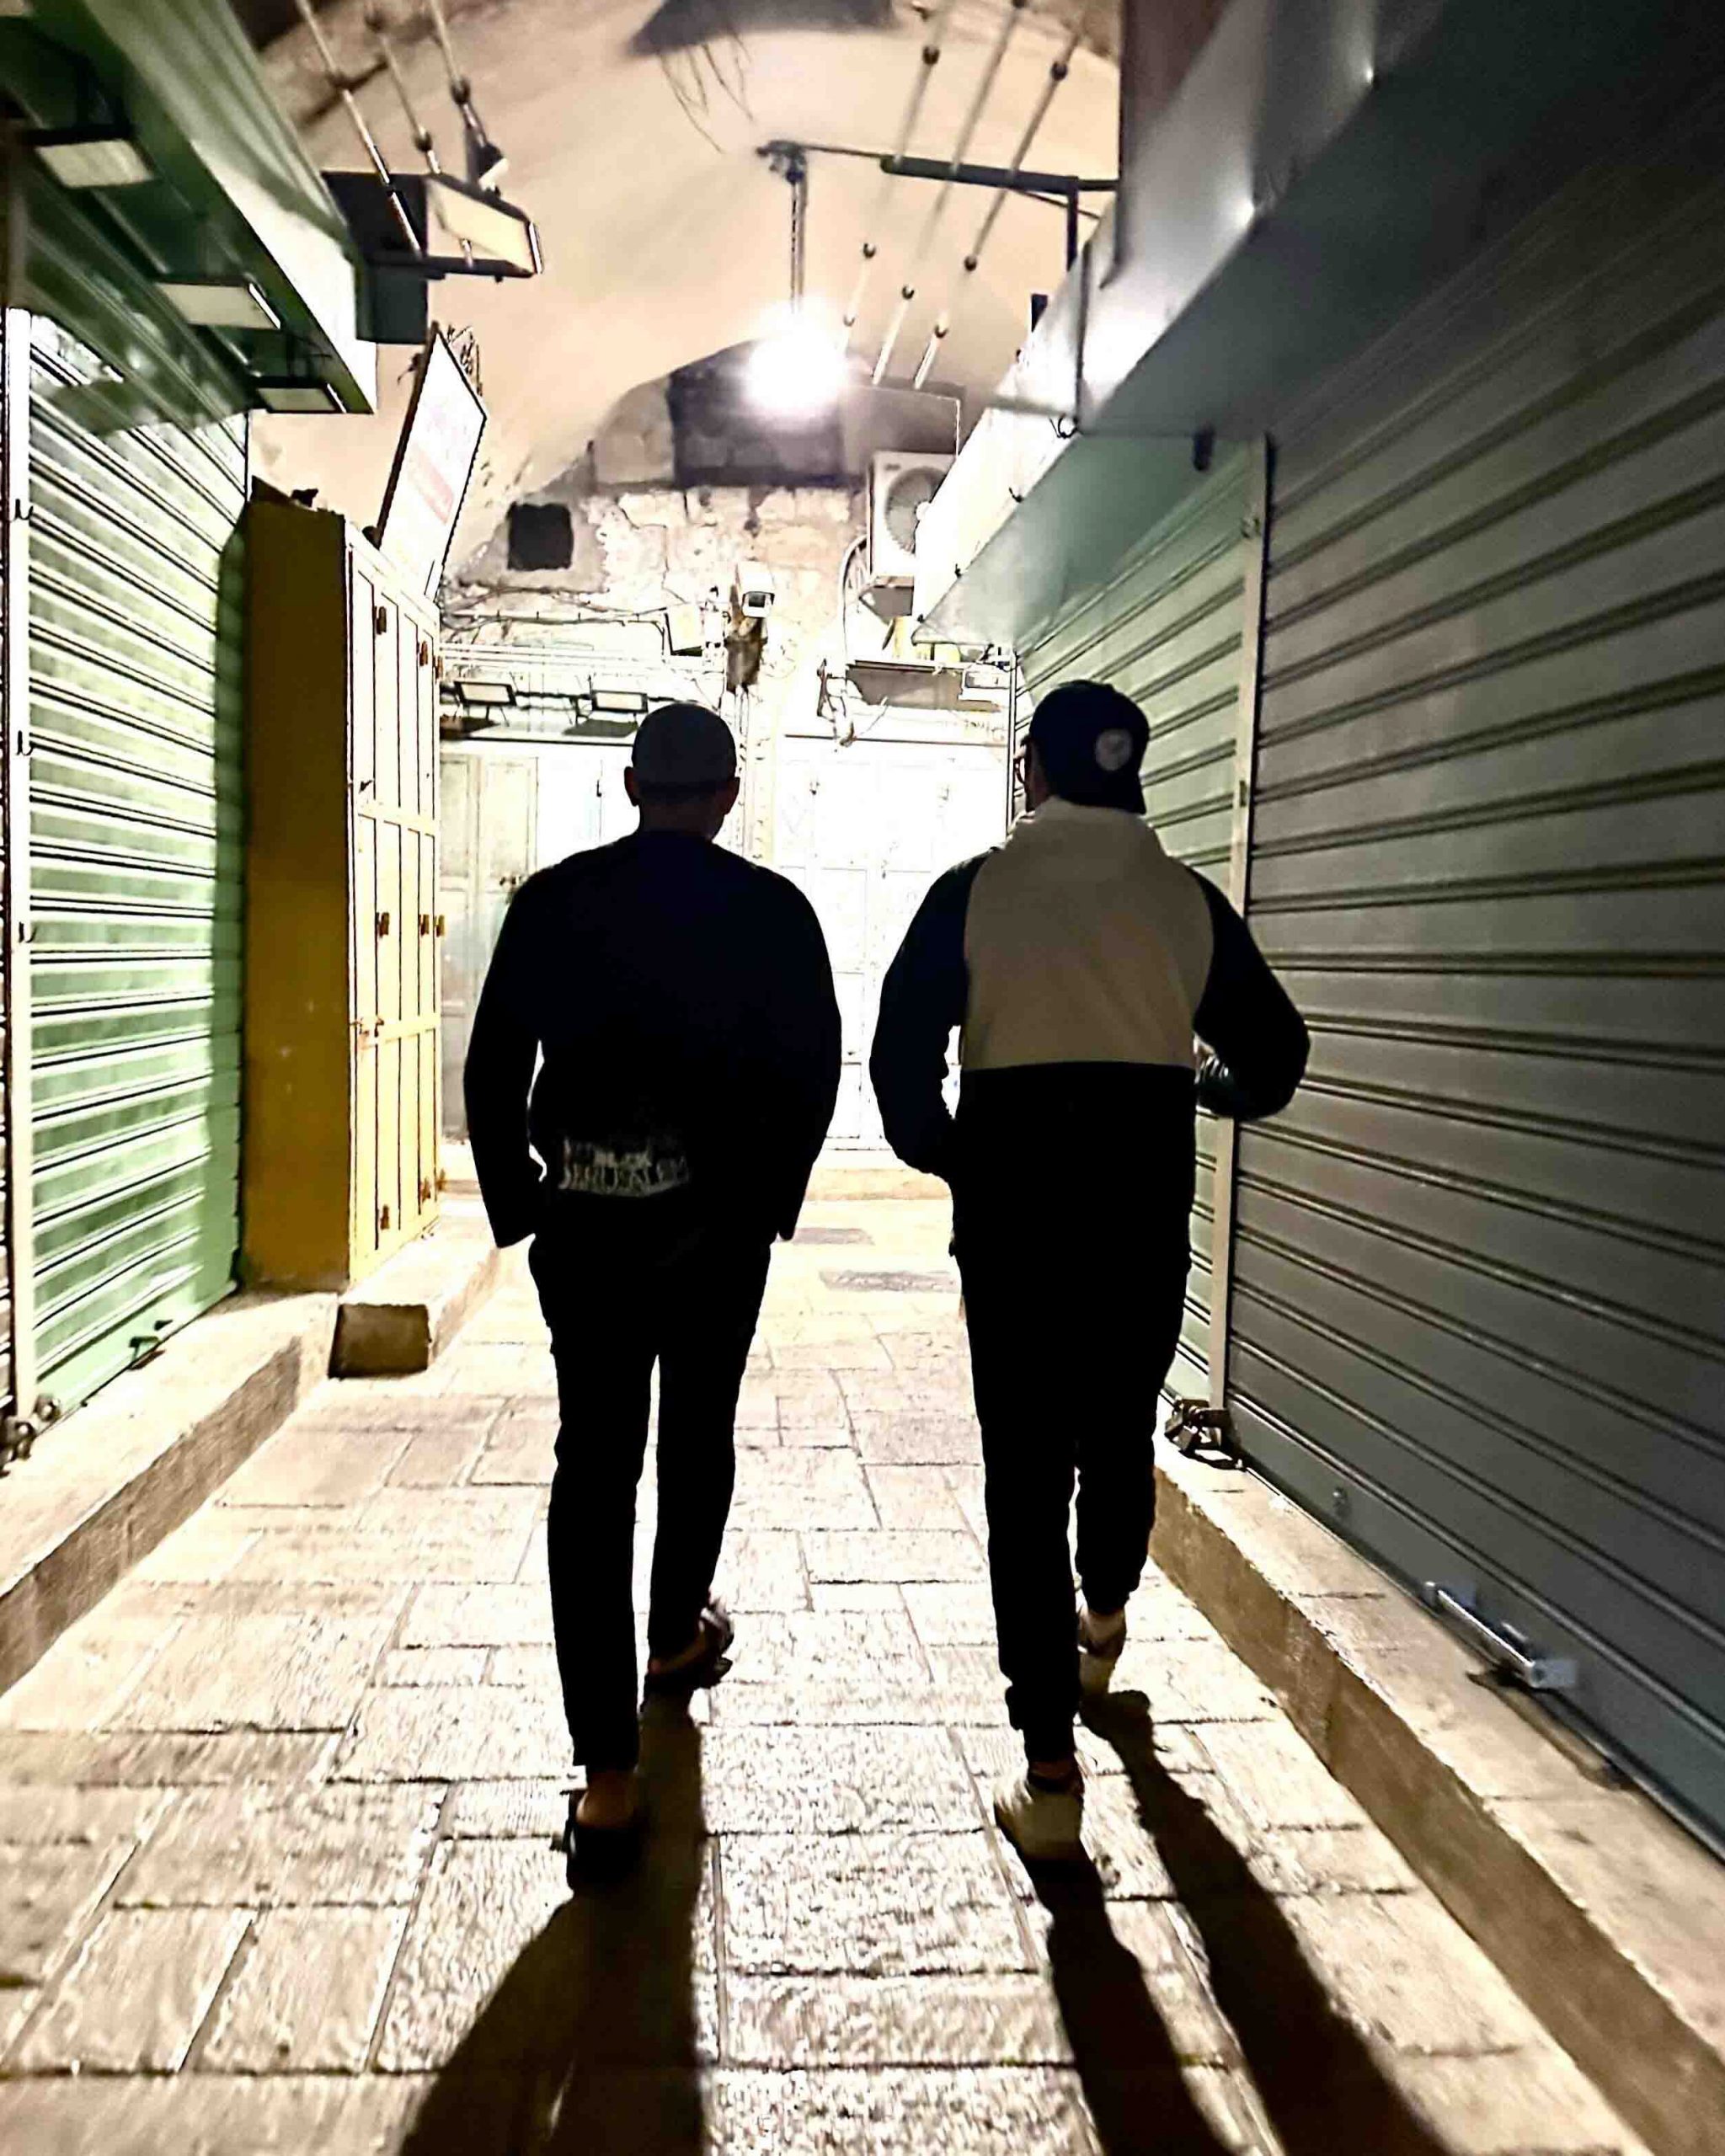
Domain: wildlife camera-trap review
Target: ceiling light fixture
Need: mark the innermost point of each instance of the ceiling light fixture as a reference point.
(625, 703)
(295, 392)
(798, 369)
(219, 302)
(484, 692)
(92, 156)
(502, 238)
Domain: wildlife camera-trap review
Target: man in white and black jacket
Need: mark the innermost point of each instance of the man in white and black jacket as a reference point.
(1081, 964)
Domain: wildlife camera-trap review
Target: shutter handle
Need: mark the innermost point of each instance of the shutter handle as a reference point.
(380, 621)
(425, 924)
(383, 924)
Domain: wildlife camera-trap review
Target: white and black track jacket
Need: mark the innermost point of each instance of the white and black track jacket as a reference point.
(1082, 964)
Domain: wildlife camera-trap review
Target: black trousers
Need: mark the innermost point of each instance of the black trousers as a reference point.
(624, 1284)
(1073, 1300)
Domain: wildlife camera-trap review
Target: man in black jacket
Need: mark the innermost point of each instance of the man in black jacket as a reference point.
(683, 1004)
(1079, 962)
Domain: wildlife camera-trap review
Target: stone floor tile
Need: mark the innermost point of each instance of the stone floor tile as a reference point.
(49, 1893)
(264, 1846)
(1326, 1860)
(210, 2114)
(443, 1732)
(306, 1993)
(862, 1354)
(916, 1497)
(534, 1668)
(1406, 1972)
(206, 1548)
(136, 1996)
(500, 1368)
(799, 1703)
(521, 1448)
(378, 1404)
(451, 1549)
(816, 2022)
(498, 1810)
(1193, 1680)
(433, 1666)
(84, 1817)
(309, 1463)
(1126, 1976)
(917, 1440)
(763, 1569)
(872, 1646)
(1512, 2102)
(952, 1613)
(492, 1616)
(829, 1596)
(1275, 1778)
(485, 1901)
(995, 2112)
(85, 1676)
(411, 1515)
(900, 1557)
(151, 1758)
(302, 1672)
(439, 1459)
(867, 1905)
(808, 1486)
(835, 1781)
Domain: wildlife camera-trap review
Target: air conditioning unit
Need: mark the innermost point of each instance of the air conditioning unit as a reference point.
(901, 484)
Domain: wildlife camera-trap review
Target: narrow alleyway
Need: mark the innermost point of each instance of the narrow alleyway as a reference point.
(277, 1822)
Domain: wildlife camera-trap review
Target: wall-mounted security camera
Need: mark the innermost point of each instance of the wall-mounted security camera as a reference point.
(753, 590)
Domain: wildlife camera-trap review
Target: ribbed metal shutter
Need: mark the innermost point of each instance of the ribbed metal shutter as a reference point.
(135, 612)
(1480, 1271)
(1165, 631)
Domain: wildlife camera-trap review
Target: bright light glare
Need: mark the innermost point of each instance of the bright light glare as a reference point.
(797, 370)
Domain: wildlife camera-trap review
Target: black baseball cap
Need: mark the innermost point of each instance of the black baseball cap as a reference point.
(684, 745)
(1091, 741)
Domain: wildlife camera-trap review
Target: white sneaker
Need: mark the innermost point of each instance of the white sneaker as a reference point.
(1099, 1650)
(1045, 1826)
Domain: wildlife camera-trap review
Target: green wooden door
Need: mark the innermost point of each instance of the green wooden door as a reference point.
(135, 808)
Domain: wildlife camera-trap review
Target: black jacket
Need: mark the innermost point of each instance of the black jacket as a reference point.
(678, 992)
(1081, 963)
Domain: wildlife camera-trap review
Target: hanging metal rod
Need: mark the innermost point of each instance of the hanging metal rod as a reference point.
(1060, 183)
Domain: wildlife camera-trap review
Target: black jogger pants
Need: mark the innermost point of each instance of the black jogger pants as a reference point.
(1074, 1318)
(624, 1284)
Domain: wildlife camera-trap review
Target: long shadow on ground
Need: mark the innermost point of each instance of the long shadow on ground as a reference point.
(591, 2045)
(1315, 2072)
(1139, 2104)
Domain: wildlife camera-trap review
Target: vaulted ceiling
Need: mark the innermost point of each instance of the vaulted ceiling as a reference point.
(633, 133)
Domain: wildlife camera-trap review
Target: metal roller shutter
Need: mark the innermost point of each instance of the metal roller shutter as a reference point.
(136, 812)
(1479, 1272)
(1165, 631)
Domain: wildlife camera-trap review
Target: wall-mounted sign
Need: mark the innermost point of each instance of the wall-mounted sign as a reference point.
(434, 462)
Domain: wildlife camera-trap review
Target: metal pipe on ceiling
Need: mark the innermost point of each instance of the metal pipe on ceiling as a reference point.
(927, 61)
(1057, 74)
(932, 222)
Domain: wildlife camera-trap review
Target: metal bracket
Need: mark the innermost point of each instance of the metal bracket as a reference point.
(1509, 1650)
(1193, 1426)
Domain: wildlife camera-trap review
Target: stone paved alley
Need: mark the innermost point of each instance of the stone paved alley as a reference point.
(277, 1868)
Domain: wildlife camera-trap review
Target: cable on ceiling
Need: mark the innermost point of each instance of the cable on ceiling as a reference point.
(927, 61)
(341, 84)
(932, 222)
(1057, 74)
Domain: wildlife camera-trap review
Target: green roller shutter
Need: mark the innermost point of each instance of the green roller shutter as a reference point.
(1479, 1269)
(135, 808)
(1165, 631)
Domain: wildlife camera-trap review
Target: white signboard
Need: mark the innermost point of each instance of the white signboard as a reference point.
(434, 462)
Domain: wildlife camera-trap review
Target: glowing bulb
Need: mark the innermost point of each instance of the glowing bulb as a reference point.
(797, 370)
